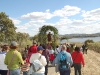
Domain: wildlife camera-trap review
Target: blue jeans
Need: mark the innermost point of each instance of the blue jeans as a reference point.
(34, 73)
(15, 72)
(25, 73)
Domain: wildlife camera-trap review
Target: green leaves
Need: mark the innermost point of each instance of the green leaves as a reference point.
(8, 29)
(64, 37)
(42, 36)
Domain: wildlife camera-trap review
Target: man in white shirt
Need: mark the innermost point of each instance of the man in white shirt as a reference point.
(42, 60)
(57, 50)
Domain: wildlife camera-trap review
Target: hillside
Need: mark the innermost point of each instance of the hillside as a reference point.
(92, 67)
(81, 35)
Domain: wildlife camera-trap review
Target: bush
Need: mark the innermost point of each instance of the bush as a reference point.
(88, 41)
(94, 46)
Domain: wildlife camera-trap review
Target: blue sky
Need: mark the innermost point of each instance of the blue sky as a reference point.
(68, 16)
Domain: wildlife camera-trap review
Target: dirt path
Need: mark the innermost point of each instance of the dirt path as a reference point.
(92, 67)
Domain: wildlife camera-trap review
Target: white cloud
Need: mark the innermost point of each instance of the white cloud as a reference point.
(32, 27)
(64, 21)
(88, 29)
(78, 22)
(92, 16)
(38, 15)
(15, 21)
(89, 22)
(67, 11)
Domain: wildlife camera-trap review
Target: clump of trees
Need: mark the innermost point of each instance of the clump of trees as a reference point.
(93, 45)
(88, 41)
(8, 32)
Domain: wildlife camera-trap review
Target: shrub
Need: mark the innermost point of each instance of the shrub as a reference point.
(94, 46)
(88, 41)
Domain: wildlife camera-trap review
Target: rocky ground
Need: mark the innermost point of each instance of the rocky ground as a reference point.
(92, 66)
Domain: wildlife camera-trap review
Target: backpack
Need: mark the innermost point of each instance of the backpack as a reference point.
(63, 62)
(36, 65)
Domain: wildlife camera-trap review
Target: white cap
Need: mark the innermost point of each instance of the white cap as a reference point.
(13, 43)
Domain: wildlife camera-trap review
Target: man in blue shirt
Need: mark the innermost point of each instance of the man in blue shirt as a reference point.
(69, 61)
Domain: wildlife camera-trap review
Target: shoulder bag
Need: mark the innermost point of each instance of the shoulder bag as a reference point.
(74, 60)
(10, 64)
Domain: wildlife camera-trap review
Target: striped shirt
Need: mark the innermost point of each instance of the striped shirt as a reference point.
(25, 66)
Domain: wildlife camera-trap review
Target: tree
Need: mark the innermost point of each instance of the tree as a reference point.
(42, 37)
(22, 38)
(8, 31)
(63, 38)
(88, 41)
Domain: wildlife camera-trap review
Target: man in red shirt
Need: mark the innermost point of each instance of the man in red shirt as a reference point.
(32, 49)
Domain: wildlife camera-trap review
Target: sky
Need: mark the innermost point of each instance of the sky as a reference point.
(68, 16)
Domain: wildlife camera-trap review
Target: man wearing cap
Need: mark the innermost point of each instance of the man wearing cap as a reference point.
(42, 60)
(33, 49)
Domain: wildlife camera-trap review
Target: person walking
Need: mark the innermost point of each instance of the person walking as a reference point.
(41, 58)
(65, 67)
(51, 55)
(3, 67)
(32, 49)
(78, 59)
(25, 67)
(13, 59)
(83, 46)
(46, 54)
(57, 50)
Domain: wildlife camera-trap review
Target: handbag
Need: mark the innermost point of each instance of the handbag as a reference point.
(74, 60)
(37, 65)
(8, 72)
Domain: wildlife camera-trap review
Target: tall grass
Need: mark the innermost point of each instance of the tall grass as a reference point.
(94, 46)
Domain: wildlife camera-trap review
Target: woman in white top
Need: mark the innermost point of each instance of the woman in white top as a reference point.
(57, 50)
(51, 51)
(51, 55)
(3, 67)
(42, 60)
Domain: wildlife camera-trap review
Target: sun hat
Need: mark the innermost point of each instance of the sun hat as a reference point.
(13, 43)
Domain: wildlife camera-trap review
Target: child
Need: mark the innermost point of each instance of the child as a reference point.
(51, 55)
(26, 65)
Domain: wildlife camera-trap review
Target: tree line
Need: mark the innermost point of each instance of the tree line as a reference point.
(8, 33)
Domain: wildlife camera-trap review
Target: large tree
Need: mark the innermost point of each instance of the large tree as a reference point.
(7, 32)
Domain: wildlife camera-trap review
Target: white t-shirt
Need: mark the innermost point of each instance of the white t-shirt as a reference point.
(2, 65)
(51, 51)
(60, 47)
(57, 50)
(42, 60)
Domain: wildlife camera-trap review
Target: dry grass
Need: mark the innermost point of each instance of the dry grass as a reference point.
(92, 65)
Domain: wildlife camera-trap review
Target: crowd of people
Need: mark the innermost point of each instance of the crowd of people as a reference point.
(36, 58)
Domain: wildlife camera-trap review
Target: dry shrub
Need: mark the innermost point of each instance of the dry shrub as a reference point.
(79, 44)
(94, 46)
